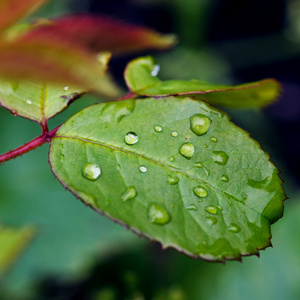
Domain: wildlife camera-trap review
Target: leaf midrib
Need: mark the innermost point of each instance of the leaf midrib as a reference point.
(161, 164)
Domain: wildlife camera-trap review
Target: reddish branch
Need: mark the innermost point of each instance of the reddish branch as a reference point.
(37, 142)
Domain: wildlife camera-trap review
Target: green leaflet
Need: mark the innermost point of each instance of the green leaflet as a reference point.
(204, 188)
(35, 101)
(140, 76)
(12, 243)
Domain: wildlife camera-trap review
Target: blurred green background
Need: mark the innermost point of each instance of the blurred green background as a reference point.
(78, 254)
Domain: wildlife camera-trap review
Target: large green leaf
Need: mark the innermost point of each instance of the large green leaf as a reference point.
(140, 76)
(212, 195)
(12, 244)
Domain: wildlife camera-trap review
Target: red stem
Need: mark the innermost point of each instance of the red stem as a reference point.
(37, 142)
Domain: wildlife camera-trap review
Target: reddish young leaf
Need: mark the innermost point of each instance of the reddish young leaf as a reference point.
(102, 34)
(12, 11)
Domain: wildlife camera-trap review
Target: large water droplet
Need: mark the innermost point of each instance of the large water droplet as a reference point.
(234, 228)
(143, 169)
(225, 178)
(129, 194)
(214, 139)
(211, 220)
(91, 171)
(174, 134)
(172, 179)
(220, 157)
(191, 207)
(131, 138)
(187, 150)
(157, 214)
(200, 191)
(199, 124)
(212, 210)
(158, 128)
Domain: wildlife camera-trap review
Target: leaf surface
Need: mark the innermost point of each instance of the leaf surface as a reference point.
(12, 243)
(145, 164)
(140, 76)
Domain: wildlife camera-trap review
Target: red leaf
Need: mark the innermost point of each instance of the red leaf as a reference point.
(12, 11)
(102, 34)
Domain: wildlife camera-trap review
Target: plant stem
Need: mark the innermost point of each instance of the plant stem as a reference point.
(37, 142)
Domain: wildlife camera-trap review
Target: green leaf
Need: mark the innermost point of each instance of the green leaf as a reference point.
(12, 243)
(212, 195)
(38, 102)
(140, 76)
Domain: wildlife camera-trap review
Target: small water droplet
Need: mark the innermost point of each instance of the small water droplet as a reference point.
(220, 207)
(199, 164)
(91, 171)
(143, 169)
(199, 124)
(88, 199)
(214, 139)
(234, 228)
(158, 128)
(174, 134)
(187, 150)
(212, 210)
(129, 194)
(66, 88)
(220, 157)
(157, 214)
(260, 184)
(28, 101)
(200, 191)
(172, 158)
(205, 146)
(191, 207)
(225, 178)
(211, 220)
(131, 138)
(172, 179)
(155, 70)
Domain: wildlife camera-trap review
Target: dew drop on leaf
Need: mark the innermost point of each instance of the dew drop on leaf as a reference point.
(158, 128)
(187, 150)
(211, 220)
(220, 207)
(199, 164)
(143, 169)
(199, 124)
(91, 171)
(205, 146)
(129, 194)
(155, 70)
(131, 138)
(200, 191)
(191, 207)
(172, 179)
(174, 133)
(220, 157)
(66, 88)
(212, 210)
(172, 158)
(157, 214)
(224, 178)
(214, 139)
(29, 102)
(234, 228)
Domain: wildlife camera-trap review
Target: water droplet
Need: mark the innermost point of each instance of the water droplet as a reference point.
(155, 70)
(88, 199)
(220, 207)
(66, 88)
(158, 215)
(199, 164)
(260, 184)
(172, 158)
(200, 191)
(174, 134)
(28, 101)
(220, 157)
(225, 178)
(158, 128)
(234, 228)
(143, 169)
(192, 207)
(91, 171)
(131, 138)
(172, 179)
(211, 220)
(212, 210)
(129, 194)
(214, 139)
(187, 150)
(205, 146)
(199, 124)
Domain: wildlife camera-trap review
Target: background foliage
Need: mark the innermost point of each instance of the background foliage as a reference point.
(77, 254)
